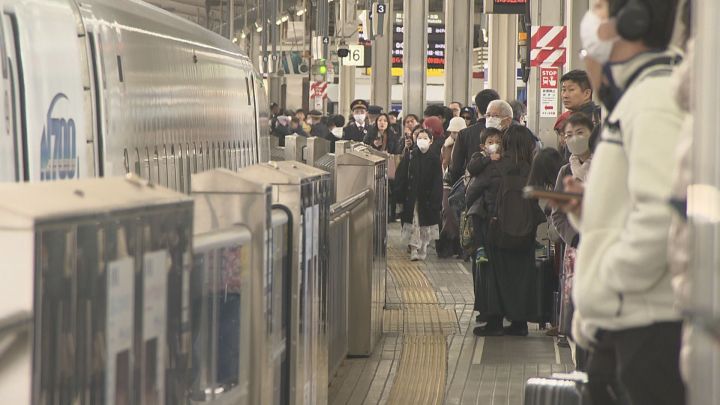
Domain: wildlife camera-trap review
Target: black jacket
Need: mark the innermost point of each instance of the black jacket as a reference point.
(353, 133)
(280, 132)
(320, 130)
(419, 179)
(482, 191)
(466, 144)
(393, 145)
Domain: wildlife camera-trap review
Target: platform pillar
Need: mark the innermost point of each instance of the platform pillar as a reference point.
(502, 70)
(549, 12)
(415, 14)
(574, 12)
(459, 22)
(381, 87)
(346, 82)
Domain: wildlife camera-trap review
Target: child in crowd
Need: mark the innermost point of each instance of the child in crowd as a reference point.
(418, 188)
(476, 204)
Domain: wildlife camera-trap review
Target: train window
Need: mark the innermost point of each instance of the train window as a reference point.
(247, 87)
(126, 160)
(138, 163)
(186, 170)
(226, 155)
(195, 153)
(174, 165)
(200, 166)
(164, 166)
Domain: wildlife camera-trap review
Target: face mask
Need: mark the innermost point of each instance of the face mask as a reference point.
(359, 118)
(494, 122)
(337, 132)
(595, 47)
(578, 145)
(493, 148)
(423, 145)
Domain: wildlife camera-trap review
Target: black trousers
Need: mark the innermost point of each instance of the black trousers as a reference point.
(638, 366)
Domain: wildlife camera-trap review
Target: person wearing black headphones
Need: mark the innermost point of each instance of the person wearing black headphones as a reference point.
(625, 309)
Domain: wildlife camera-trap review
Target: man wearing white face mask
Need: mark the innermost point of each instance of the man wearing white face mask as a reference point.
(625, 311)
(358, 129)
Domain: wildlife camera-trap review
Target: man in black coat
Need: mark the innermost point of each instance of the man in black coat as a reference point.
(317, 126)
(358, 129)
(468, 140)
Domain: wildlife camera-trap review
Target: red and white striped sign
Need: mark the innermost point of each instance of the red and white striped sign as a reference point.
(548, 46)
(318, 90)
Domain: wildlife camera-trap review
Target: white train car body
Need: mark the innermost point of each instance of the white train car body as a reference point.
(107, 87)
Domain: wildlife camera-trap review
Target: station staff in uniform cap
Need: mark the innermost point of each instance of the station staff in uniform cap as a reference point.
(358, 128)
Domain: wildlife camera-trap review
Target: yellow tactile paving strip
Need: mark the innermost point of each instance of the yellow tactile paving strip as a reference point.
(423, 326)
(421, 375)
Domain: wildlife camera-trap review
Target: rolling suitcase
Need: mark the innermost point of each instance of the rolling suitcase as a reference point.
(542, 285)
(560, 389)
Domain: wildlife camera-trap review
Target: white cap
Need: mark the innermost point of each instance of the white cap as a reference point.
(457, 124)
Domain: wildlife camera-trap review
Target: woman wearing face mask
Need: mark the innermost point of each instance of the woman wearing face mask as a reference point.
(418, 187)
(578, 134)
(449, 244)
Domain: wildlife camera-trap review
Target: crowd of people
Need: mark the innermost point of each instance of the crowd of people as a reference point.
(623, 168)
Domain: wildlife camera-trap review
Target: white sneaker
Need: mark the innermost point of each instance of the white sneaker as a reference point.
(422, 253)
(414, 255)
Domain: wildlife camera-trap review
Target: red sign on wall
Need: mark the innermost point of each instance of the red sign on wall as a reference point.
(549, 78)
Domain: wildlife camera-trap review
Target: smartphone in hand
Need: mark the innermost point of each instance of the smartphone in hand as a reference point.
(530, 192)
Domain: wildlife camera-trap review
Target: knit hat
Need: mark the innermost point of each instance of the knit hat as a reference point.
(457, 124)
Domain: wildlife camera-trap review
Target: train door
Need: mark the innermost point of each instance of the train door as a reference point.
(11, 148)
(52, 72)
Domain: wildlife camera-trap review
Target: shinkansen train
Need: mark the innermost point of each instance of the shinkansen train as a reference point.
(107, 87)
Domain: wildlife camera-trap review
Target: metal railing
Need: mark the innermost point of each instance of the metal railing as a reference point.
(340, 217)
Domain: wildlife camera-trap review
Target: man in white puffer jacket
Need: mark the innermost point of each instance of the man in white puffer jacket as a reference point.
(625, 310)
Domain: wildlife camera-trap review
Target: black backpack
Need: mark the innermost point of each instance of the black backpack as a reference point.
(516, 218)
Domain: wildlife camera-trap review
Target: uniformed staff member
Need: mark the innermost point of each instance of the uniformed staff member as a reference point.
(358, 128)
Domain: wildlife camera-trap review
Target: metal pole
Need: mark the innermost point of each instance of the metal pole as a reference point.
(549, 12)
(415, 14)
(347, 73)
(703, 207)
(459, 21)
(381, 90)
(232, 20)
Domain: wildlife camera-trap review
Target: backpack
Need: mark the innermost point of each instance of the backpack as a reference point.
(516, 218)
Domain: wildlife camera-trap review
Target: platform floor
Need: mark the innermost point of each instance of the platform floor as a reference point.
(429, 355)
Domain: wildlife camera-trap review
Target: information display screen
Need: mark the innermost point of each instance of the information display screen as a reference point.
(435, 51)
(509, 6)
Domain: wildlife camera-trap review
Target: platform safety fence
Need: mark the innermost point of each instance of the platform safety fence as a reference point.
(340, 242)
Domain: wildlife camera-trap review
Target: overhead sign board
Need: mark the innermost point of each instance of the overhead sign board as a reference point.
(435, 51)
(356, 57)
(505, 6)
